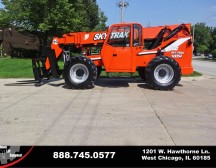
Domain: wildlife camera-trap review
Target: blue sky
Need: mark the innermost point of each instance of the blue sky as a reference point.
(161, 12)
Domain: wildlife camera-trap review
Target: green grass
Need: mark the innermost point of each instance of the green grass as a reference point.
(135, 75)
(15, 68)
(195, 74)
(22, 68)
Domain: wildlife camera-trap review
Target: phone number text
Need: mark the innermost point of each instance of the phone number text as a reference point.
(84, 155)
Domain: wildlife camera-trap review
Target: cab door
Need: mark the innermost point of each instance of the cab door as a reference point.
(116, 52)
(137, 44)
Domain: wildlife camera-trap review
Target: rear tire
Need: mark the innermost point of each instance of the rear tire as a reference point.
(99, 69)
(163, 73)
(80, 73)
(141, 72)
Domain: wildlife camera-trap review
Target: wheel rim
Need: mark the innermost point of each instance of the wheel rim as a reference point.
(164, 73)
(79, 73)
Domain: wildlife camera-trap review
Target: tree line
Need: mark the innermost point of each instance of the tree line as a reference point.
(48, 18)
(204, 39)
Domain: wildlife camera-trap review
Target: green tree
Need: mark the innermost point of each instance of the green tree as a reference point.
(202, 48)
(50, 18)
(213, 44)
(203, 38)
(102, 23)
(87, 14)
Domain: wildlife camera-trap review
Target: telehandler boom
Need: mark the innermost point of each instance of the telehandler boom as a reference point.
(159, 54)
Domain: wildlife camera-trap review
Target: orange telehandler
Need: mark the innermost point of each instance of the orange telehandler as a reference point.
(159, 54)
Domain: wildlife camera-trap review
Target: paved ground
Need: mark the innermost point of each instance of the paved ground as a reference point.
(115, 112)
(205, 66)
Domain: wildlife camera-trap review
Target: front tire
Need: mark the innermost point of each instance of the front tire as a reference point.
(80, 73)
(163, 73)
(141, 72)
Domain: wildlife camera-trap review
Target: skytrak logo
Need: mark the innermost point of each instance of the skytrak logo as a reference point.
(100, 36)
(119, 35)
(114, 35)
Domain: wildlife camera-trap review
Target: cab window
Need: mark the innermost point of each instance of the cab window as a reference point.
(137, 35)
(120, 36)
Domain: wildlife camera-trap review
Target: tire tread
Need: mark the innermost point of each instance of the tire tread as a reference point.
(89, 83)
(150, 68)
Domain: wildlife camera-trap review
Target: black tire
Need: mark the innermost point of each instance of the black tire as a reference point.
(163, 73)
(80, 73)
(141, 72)
(99, 69)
